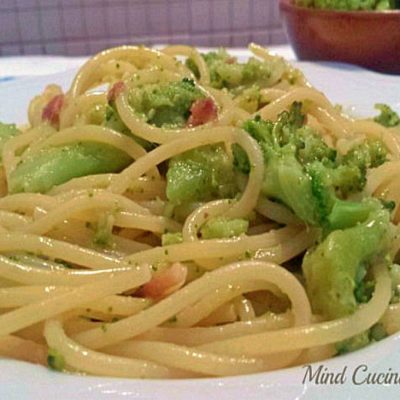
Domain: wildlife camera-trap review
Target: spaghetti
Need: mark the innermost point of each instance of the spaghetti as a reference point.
(104, 272)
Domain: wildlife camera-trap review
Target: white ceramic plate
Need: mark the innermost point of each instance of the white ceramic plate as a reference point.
(355, 89)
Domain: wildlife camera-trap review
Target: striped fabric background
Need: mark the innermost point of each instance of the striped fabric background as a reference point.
(78, 27)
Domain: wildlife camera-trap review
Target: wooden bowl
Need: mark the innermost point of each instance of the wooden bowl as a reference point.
(367, 38)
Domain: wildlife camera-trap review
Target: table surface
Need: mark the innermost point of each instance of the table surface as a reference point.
(22, 66)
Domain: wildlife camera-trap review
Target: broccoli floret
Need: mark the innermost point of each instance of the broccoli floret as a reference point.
(344, 214)
(370, 154)
(285, 180)
(171, 238)
(308, 176)
(220, 227)
(250, 99)
(349, 5)
(387, 116)
(227, 72)
(354, 343)
(329, 183)
(349, 176)
(364, 285)
(166, 105)
(7, 132)
(201, 174)
(286, 145)
(113, 121)
(337, 267)
(255, 71)
(374, 334)
(289, 130)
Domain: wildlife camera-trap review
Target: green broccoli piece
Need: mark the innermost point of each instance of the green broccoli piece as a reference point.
(353, 343)
(103, 231)
(113, 121)
(306, 175)
(344, 214)
(171, 238)
(387, 116)
(7, 132)
(395, 275)
(347, 5)
(377, 332)
(287, 144)
(329, 183)
(163, 105)
(56, 165)
(289, 130)
(55, 360)
(374, 334)
(227, 72)
(285, 180)
(167, 104)
(370, 154)
(250, 99)
(349, 176)
(201, 174)
(220, 227)
(337, 267)
(305, 3)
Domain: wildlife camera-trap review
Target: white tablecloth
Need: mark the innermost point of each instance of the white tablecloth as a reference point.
(15, 67)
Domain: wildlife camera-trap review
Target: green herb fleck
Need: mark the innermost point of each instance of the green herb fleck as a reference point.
(173, 319)
(55, 360)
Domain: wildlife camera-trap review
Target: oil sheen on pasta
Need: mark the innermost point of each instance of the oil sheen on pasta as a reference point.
(178, 215)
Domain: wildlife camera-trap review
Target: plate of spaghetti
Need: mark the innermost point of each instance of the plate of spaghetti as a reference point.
(176, 221)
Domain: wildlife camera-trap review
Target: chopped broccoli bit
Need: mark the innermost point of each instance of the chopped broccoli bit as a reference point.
(346, 214)
(347, 5)
(390, 205)
(113, 121)
(54, 166)
(329, 183)
(377, 332)
(308, 176)
(369, 154)
(374, 334)
(220, 227)
(395, 276)
(7, 131)
(354, 343)
(250, 99)
(201, 174)
(166, 105)
(55, 360)
(171, 238)
(227, 72)
(336, 267)
(364, 288)
(387, 116)
(103, 232)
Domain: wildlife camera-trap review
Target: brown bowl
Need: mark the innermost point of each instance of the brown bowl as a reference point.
(367, 38)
